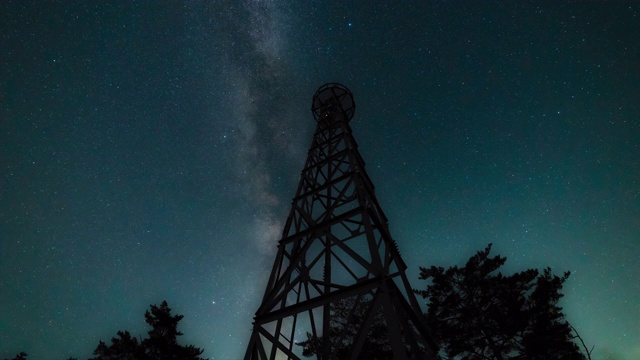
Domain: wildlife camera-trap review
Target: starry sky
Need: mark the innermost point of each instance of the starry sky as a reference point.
(150, 150)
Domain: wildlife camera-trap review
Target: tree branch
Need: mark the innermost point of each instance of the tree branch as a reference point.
(586, 350)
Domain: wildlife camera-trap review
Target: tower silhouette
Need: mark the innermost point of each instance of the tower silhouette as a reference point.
(338, 288)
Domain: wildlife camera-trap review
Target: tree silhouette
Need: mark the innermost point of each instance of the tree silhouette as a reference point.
(123, 347)
(476, 313)
(162, 343)
(21, 356)
(347, 315)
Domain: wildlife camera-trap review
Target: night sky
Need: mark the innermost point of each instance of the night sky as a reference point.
(150, 151)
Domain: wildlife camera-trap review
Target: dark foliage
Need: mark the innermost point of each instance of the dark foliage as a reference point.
(347, 315)
(162, 343)
(476, 313)
(21, 356)
(123, 347)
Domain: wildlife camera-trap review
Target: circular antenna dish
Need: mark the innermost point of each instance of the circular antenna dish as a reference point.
(333, 101)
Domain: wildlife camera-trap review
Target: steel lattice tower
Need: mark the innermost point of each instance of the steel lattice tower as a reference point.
(337, 270)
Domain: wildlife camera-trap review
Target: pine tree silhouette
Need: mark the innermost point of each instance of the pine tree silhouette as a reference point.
(162, 343)
(476, 313)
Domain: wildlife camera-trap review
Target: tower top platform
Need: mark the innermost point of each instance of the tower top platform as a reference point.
(332, 100)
